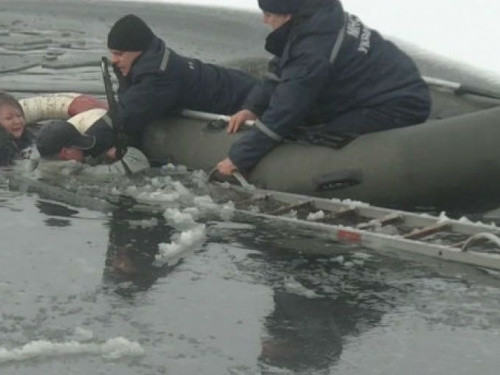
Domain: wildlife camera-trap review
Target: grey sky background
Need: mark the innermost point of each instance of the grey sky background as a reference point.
(464, 30)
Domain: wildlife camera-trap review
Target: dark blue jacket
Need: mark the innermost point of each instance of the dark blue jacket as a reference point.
(12, 148)
(161, 82)
(303, 86)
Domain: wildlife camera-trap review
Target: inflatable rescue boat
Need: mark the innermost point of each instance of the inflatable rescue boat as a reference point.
(452, 161)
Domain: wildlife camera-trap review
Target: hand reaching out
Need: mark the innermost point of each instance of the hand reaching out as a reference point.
(239, 119)
(226, 167)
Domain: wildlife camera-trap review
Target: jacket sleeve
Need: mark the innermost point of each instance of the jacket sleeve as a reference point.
(136, 162)
(146, 100)
(258, 99)
(104, 135)
(300, 83)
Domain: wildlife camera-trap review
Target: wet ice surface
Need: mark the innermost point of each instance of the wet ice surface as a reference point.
(191, 289)
(83, 292)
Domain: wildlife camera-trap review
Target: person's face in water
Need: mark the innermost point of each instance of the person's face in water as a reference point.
(124, 60)
(275, 21)
(71, 153)
(12, 120)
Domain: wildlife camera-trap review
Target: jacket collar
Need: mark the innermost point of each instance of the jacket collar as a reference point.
(315, 17)
(147, 61)
(277, 39)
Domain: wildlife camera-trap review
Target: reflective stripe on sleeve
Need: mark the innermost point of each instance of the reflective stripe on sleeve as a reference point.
(264, 129)
(339, 41)
(164, 61)
(272, 77)
(108, 120)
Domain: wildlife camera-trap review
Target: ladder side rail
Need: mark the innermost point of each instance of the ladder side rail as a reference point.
(411, 219)
(290, 198)
(384, 243)
(447, 253)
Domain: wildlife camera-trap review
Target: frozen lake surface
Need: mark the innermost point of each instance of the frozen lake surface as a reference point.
(246, 299)
(93, 291)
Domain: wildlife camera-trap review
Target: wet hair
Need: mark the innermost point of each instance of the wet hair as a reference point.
(7, 99)
(10, 147)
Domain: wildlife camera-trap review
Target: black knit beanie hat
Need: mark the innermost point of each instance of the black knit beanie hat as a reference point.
(130, 33)
(280, 6)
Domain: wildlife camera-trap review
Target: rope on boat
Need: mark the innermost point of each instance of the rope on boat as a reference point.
(198, 115)
(481, 237)
(242, 180)
(237, 176)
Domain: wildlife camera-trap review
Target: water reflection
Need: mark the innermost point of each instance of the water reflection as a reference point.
(318, 302)
(297, 314)
(305, 333)
(301, 334)
(58, 214)
(134, 239)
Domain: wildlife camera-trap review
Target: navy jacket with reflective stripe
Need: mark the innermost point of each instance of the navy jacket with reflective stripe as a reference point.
(368, 71)
(162, 82)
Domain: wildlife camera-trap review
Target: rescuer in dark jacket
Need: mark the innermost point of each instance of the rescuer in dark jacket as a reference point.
(154, 81)
(329, 69)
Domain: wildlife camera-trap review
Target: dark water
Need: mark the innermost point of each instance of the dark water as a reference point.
(243, 300)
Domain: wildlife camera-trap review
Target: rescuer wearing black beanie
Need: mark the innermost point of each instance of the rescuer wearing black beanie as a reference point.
(154, 81)
(280, 6)
(130, 33)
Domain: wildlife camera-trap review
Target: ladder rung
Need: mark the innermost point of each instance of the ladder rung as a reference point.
(253, 198)
(426, 231)
(459, 244)
(290, 207)
(391, 218)
(342, 212)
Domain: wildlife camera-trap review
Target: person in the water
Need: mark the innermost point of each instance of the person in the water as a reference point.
(61, 141)
(20, 124)
(15, 137)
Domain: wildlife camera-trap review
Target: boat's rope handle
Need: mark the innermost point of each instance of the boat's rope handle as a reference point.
(242, 180)
(198, 115)
(237, 176)
(481, 237)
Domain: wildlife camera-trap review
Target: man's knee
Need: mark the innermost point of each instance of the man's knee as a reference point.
(369, 120)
